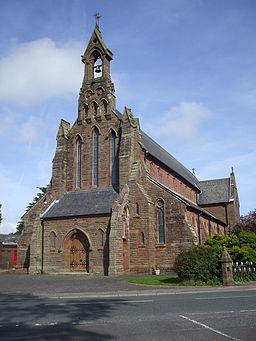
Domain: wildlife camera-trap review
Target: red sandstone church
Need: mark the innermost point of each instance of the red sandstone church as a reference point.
(117, 201)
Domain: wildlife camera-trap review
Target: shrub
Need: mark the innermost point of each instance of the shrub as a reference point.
(248, 239)
(219, 242)
(200, 263)
(241, 247)
(243, 254)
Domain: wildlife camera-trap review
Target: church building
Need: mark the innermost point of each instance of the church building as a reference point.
(117, 201)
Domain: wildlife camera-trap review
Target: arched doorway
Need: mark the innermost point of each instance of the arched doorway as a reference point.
(78, 245)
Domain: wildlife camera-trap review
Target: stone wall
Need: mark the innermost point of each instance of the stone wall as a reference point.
(29, 244)
(170, 179)
(58, 259)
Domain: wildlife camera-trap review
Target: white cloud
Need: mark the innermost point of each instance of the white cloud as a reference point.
(31, 130)
(181, 122)
(38, 70)
(6, 122)
(24, 130)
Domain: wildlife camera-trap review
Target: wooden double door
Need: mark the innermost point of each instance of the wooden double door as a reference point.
(79, 253)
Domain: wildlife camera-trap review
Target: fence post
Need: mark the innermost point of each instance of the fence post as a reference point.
(227, 268)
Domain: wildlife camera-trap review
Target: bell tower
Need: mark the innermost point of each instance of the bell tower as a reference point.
(96, 98)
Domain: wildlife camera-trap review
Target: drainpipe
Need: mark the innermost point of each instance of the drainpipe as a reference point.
(42, 250)
(199, 228)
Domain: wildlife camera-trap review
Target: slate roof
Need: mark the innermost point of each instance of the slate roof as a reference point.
(214, 191)
(183, 199)
(82, 203)
(119, 115)
(162, 155)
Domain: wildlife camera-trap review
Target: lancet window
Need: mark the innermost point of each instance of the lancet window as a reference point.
(160, 221)
(95, 157)
(79, 162)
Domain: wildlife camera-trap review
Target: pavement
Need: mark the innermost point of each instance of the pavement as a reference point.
(81, 285)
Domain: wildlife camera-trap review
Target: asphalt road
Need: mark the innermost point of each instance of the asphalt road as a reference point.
(213, 315)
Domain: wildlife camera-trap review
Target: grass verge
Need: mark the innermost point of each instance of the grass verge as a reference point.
(156, 280)
(170, 281)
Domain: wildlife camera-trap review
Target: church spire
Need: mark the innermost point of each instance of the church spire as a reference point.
(97, 57)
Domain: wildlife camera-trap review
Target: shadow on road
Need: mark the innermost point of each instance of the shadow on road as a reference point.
(29, 317)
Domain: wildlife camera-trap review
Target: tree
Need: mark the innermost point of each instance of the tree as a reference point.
(247, 223)
(19, 227)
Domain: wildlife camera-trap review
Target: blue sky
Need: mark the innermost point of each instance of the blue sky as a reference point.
(186, 68)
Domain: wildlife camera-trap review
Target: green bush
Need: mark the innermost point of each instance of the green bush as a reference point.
(243, 254)
(241, 248)
(200, 263)
(219, 242)
(247, 238)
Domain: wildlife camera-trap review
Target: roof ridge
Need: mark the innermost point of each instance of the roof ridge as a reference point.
(219, 179)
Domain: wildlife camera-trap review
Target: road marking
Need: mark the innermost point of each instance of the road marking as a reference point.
(247, 311)
(209, 328)
(100, 302)
(215, 312)
(221, 297)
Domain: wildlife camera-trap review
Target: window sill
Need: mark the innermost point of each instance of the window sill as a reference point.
(161, 246)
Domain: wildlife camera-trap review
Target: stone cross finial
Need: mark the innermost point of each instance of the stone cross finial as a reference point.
(97, 18)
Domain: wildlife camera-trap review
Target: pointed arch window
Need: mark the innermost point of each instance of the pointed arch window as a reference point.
(53, 239)
(101, 238)
(160, 221)
(95, 157)
(113, 158)
(79, 162)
